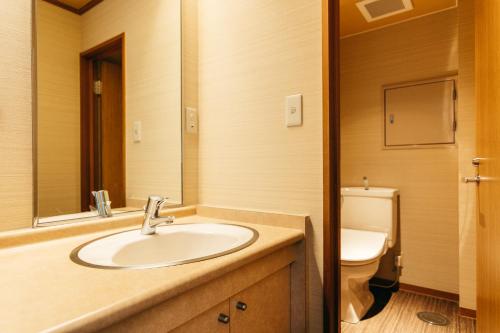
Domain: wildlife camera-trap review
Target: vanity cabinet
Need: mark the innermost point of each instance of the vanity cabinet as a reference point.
(208, 322)
(263, 307)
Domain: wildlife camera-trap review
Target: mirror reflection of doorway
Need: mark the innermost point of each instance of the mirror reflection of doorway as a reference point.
(102, 122)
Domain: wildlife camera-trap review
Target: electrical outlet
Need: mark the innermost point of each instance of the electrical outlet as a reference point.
(191, 120)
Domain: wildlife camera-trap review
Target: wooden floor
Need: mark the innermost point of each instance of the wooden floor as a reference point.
(398, 314)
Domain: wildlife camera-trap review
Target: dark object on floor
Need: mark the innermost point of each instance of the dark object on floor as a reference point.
(382, 297)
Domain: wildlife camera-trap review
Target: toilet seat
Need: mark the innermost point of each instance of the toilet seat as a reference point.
(360, 247)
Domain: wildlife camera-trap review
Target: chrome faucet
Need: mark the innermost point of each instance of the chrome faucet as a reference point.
(365, 183)
(102, 203)
(152, 215)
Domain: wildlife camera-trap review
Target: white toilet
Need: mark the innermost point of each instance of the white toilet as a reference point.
(369, 228)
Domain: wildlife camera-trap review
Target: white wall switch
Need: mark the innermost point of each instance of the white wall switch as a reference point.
(137, 131)
(191, 120)
(294, 110)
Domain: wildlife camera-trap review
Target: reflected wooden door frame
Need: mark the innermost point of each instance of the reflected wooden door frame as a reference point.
(331, 166)
(487, 25)
(86, 111)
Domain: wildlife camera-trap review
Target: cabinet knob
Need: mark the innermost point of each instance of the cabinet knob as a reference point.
(223, 318)
(241, 306)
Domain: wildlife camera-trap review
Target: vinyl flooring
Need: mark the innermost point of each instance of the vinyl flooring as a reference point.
(397, 313)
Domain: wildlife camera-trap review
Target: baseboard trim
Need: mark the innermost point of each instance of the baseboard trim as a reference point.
(429, 292)
(469, 313)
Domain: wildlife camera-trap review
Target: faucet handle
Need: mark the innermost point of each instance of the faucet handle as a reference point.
(155, 204)
(160, 205)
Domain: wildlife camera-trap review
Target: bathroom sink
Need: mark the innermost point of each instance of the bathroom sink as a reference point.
(172, 245)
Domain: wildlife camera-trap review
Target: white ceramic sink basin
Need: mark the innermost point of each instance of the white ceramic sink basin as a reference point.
(174, 244)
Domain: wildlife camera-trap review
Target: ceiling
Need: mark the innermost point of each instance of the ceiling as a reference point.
(351, 19)
(353, 22)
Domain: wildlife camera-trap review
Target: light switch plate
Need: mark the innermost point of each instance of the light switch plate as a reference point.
(137, 131)
(294, 110)
(191, 120)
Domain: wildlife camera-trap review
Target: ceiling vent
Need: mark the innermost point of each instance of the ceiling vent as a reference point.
(373, 10)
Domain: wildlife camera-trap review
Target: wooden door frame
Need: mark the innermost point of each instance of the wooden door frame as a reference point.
(331, 166)
(86, 112)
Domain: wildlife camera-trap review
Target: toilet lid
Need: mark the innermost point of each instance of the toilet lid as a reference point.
(359, 246)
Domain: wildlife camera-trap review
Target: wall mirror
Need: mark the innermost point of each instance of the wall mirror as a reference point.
(109, 100)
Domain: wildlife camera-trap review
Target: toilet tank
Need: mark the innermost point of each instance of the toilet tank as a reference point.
(375, 209)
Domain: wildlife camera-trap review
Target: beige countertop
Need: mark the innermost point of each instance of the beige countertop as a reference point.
(42, 290)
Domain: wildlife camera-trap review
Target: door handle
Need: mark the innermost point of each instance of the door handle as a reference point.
(241, 306)
(475, 179)
(477, 161)
(223, 318)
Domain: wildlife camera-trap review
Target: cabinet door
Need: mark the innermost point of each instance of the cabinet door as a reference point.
(211, 321)
(264, 307)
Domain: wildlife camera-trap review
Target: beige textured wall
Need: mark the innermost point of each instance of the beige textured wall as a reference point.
(58, 66)
(189, 99)
(153, 88)
(253, 53)
(427, 178)
(467, 151)
(16, 195)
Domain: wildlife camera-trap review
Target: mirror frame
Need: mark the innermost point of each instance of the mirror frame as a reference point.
(34, 113)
